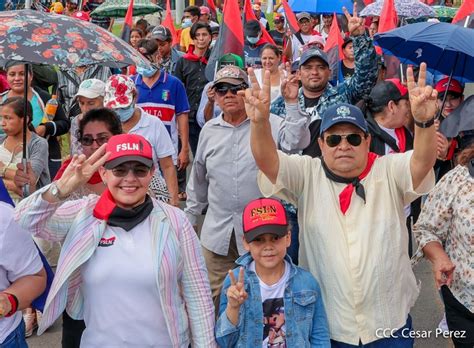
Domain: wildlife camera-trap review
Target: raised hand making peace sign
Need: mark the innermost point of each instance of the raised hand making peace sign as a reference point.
(423, 98)
(236, 294)
(355, 24)
(257, 98)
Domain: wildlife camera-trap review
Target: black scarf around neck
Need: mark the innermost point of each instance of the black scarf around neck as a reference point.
(106, 209)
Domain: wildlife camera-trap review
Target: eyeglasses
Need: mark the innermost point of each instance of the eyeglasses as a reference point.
(353, 139)
(140, 171)
(222, 90)
(88, 140)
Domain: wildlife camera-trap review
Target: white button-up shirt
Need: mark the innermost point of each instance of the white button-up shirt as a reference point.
(360, 259)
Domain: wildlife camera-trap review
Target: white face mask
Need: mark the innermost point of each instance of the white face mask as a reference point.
(253, 40)
(125, 114)
(186, 23)
(213, 43)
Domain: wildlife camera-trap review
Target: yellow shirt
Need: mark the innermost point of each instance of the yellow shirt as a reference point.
(186, 40)
(360, 259)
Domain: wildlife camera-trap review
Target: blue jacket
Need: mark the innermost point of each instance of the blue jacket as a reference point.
(305, 317)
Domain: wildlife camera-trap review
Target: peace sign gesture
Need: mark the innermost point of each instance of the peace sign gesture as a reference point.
(236, 294)
(355, 24)
(257, 98)
(80, 170)
(423, 98)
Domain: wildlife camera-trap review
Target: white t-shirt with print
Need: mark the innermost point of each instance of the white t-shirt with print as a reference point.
(18, 258)
(121, 298)
(153, 130)
(296, 45)
(274, 332)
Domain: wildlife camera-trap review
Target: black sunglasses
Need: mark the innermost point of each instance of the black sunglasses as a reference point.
(222, 90)
(353, 139)
(88, 140)
(140, 171)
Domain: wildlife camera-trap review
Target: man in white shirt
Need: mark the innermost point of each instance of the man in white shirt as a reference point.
(301, 38)
(351, 213)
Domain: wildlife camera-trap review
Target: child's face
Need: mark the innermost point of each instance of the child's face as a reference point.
(268, 250)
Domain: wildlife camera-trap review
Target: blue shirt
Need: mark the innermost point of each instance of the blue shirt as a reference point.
(166, 99)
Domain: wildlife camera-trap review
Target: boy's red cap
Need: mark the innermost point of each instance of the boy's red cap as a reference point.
(127, 148)
(264, 215)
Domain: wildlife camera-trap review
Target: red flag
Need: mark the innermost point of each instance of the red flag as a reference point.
(168, 23)
(465, 12)
(248, 16)
(333, 48)
(212, 8)
(388, 19)
(128, 23)
(231, 37)
(290, 17)
(368, 2)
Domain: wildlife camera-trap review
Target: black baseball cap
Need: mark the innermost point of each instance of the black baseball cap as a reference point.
(384, 91)
(161, 33)
(252, 28)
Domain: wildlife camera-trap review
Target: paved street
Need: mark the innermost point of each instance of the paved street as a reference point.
(426, 316)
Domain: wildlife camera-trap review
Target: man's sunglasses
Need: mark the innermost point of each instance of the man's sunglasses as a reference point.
(222, 90)
(88, 140)
(140, 171)
(353, 139)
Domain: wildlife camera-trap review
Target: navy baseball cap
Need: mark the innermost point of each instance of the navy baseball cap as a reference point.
(314, 52)
(343, 113)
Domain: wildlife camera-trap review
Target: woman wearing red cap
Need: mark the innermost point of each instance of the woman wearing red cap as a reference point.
(130, 266)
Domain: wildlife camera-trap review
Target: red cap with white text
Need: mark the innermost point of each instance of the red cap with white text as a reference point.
(262, 216)
(128, 148)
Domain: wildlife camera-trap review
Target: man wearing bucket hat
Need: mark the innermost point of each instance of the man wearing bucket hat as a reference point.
(223, 176)
(351, 212)
(124, 254)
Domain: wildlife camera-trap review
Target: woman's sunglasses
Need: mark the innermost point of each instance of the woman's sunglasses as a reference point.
(88, 140)
(140, 171)
(353, 139)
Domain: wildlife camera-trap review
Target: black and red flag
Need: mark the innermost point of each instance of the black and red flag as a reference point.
(231, 37)
(290, 17)
(168, 23)
(212, 7)
(127, 23)
(333, 48)
(465, 15)
(250, 15)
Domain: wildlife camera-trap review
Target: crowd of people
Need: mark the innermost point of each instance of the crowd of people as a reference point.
(319, 191)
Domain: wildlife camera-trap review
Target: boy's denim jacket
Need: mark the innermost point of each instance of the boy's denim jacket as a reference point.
(305, 317)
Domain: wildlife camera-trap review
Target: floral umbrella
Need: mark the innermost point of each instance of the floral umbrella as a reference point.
(405, 8)
(37, 37)
(118, 8)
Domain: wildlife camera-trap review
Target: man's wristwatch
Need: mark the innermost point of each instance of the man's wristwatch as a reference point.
(54, 190)
(425, 124)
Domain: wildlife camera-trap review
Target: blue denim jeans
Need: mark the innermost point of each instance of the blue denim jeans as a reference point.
(399, 340)
(16, 339)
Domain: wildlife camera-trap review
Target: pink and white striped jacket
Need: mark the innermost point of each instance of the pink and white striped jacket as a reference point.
(182, 275)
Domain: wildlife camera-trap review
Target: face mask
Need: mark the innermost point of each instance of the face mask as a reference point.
(146, 72)
(186, 23)
(253, 40)
(125, 114)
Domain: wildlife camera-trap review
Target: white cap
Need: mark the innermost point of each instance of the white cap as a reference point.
(91, 88)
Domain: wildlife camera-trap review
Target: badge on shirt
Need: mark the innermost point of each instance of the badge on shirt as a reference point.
(165, 95)
(106, 242)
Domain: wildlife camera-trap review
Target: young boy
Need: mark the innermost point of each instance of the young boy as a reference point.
(268, 301)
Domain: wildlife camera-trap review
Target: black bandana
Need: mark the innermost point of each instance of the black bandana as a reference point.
(106, 209)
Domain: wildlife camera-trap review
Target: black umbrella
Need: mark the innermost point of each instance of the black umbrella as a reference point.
(460, 120)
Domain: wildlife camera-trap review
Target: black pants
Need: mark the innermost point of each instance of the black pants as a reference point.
(459, 318)
(181, 173)
(194, 131)
(72, 332)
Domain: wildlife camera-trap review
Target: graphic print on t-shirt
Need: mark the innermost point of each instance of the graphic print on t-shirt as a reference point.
(106, 242)
(274, 321)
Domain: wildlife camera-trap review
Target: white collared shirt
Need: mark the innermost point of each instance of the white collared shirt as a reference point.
(361, 258)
